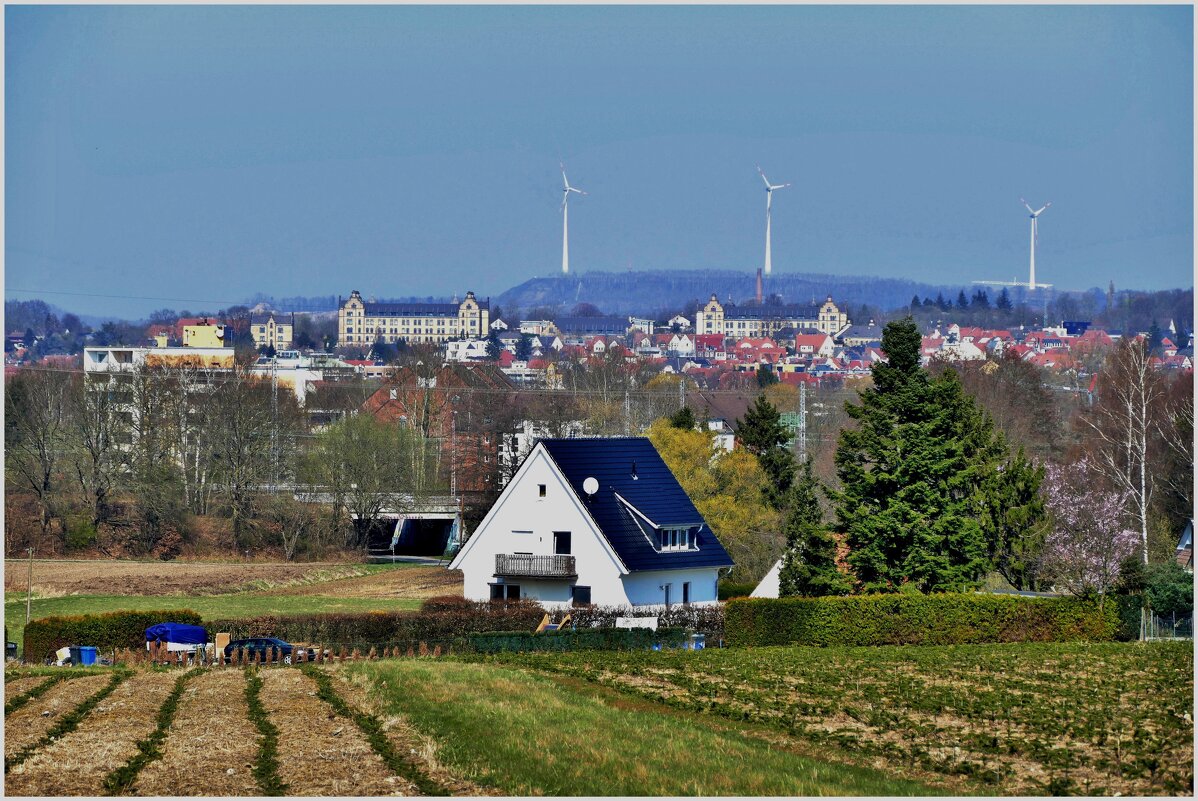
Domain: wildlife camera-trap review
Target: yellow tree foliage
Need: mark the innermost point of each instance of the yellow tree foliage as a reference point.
(726, 489)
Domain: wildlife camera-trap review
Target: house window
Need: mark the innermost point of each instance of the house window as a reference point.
(580, 596)
(666, 589)
(540, 490)
(505, 592)
(686, 592)
(561, 542)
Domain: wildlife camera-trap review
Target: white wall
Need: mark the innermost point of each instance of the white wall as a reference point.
(645, 588)
(522, 522)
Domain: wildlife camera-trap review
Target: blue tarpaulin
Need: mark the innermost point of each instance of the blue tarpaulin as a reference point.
(181, 633)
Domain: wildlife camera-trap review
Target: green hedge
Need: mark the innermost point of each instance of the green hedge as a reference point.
(943, 619)
(577, 640)
(109, 630)
(439, 620)
(1129, 617)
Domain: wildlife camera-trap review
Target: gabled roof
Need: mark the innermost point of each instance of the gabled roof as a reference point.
(655, 494)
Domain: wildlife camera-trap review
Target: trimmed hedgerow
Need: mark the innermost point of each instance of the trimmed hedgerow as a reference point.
(577, 640)
(440, 619)
(108, 630)
(941, 619)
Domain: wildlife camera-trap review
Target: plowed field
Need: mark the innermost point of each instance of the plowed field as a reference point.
(78, 763)
(31, 722)
(211, 746)
(321, 752)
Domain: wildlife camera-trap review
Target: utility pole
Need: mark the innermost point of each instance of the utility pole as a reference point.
(802, 422)
(453, 455)
(681, 391)
(627, 414)
(29, 593)
(274, 416)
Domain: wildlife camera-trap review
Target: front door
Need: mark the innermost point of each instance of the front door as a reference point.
(561, 542)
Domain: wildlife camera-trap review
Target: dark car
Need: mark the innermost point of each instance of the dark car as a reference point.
(260, 645)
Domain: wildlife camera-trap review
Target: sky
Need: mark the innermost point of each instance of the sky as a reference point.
(191, 156)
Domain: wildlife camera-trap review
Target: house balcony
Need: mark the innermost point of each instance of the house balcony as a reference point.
(546, 566)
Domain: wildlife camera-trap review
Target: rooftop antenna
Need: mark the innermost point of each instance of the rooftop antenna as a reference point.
(566, 220)
(769, 197)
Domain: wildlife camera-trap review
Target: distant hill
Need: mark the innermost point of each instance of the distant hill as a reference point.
(651, 291)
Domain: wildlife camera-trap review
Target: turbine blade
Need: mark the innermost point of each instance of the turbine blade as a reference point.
(765, 180)
(1026, 206)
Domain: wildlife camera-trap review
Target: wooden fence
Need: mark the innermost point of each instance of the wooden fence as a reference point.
(159, 655)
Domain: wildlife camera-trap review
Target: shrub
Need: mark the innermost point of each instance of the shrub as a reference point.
(445, 620)
(895, 619)
(109, 630)
(578, 639)
(734, 589)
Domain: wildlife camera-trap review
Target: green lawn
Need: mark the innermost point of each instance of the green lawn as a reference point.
(209, 607)
(1018, 718)
(528, 734)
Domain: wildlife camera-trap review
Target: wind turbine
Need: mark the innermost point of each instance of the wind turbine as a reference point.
(1031, 277)
(566, 220)
(769, 196)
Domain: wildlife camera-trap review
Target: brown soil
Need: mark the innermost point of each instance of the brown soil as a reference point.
(354, 689)
(21, 686)
(120, 577)
(321, 752)
(104, 741)
(405, 582)
(31, 722)
(211, 746)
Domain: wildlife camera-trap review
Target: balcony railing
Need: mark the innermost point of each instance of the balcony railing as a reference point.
(535, 565)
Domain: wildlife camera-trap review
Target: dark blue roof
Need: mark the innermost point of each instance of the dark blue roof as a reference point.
(655, 493)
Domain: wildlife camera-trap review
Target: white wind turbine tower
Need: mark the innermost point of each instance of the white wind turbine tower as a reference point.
(769, 196)
(1031, 277)
(566, 221)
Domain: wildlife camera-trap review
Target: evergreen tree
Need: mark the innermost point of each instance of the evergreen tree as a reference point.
(980, 300)
(962, 301)
(1154, 339)
(1004, 301)
(915, 304)
(524, 347)
(916, 474)
(928, 303)
(941, 303)
(494, 347)
(762, 434)
(1017, 518)
(809, 563)
(765, 376)
(684, 418)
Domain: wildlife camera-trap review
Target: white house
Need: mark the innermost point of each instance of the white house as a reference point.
(769, 587)
(593, 520)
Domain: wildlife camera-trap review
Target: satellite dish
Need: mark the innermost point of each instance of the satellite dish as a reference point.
(590, 486)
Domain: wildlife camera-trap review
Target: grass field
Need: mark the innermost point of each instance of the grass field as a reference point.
(525, 734)
(1031, 719)
(216, 590)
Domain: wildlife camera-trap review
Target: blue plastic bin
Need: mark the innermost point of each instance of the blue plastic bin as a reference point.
(87, 655)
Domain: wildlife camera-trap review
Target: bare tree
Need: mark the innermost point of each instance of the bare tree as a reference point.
(1125, 420)
(36, 410)
(98, 433)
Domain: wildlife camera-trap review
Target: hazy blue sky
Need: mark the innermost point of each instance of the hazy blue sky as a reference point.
(207, 153)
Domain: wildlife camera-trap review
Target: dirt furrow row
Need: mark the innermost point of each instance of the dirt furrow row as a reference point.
(211, 745)
(30, 723)
(321, 752)
(21, 686)
(106, 740)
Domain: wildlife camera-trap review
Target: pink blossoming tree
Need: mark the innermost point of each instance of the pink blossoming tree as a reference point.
(1089, 536)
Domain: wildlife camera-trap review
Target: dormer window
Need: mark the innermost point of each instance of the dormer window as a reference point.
(676, 539)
